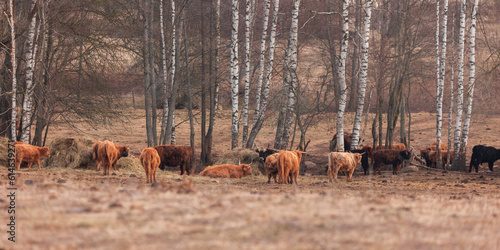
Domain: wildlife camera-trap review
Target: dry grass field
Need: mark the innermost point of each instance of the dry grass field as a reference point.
(427, 209)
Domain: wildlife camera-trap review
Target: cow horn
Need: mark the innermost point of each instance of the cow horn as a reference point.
(239, 161)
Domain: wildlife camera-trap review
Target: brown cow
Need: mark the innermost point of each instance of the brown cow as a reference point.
(108, 153)
(431, 158)
(150, 160)
(288, 166)
(123, 151)
(347, 142)
(227, 171)
(172, 155)
(29, 154)
(390, 156)
(342, 161)
(271, 166)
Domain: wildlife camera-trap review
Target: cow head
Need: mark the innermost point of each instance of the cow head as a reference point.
(404, 155)
(124, 151)
(357, 158)
(264, 153)
(45, 152)
(247, 170)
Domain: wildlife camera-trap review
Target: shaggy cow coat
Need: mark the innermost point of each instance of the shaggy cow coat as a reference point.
(271, 166)
(481, 154)
(289, 166)
(390, 156)
(342, 161)
(227, 171)
(173, 156)
(30, 154)
(150, 160)
(122, 152)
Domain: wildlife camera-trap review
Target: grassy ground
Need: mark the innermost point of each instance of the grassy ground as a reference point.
(428, 209)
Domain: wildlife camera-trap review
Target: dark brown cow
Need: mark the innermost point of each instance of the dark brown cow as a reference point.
(172, 155)
(347, 142)
(227, 171)
(150, 160)
(271, 166)
(289, 164)
(390, 156)
(122, 152)
(29, 154)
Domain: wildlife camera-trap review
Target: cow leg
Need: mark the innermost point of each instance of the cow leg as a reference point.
(182, 169)
(490, 165)
(147, 174)
(154, 175)
(349, 175)
(29, 166)
(38, 164)
(98, 165)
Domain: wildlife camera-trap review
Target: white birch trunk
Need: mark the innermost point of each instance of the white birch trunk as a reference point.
(342, 80)
(248, 15)
(172, 76)
(450, 111)
(363, 74)
(292, 74)
(460, 86)
(30, 86)
(267, 7)
(267, 80)
(13, 120)
(217, 57)
(164, 66)
(440, 86)
(472, 77)
(234, 74)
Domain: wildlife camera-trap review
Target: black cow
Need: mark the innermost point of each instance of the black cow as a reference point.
(481, 154)
(364, 159)
(264, 153)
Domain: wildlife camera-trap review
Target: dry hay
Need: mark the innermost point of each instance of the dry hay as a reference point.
(243, 155)
(4, 156)
(128, 163)
(73, 152)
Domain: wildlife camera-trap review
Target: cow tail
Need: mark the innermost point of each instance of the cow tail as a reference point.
(329, 170)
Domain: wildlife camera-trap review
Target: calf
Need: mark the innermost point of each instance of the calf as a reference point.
(227, 171)
(30, 154)
(271, 166)
(264, 153)
(172, 155)
(481, 154)
(150, 160)
(342, 161)
(288, 166)
(108, 155)
(390, 156)
(347, 142)
(122, 152)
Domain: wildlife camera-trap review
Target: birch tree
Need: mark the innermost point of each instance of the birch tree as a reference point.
(30, 86)
(165, 77)
(440, 82)
(170, 125)
(267, 80)
(292, 74)
(460, 87)
(470, 86)
(450, 111)
(342, 80)
(363, 74)
(234, 74)
(13, 120)
(248, 21)
(147, 72)
(262, 55)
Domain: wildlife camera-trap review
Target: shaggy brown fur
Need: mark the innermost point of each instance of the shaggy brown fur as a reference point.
(227, 171)
(342, 161)
(390, 156)
(347, 142)
(108, 153)
(172, 155)
(289, 165)
(271, 166)
(30, 154)
(123, 151)
(432, 158)
(150, 160)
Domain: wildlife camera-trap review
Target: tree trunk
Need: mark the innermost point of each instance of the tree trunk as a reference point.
(188, 81)
(342, 80)
(450, 111)
(355, 61)
(470, 86)
(248, 21)
(267, 6)
(152, 73)
(14, 70)
(440, 86)
(147, 73)
(460, 89)
(234, 74)
(165, 77)
(30, 86)
(267, 81)
(363, 74)
(170, 125)
(205, 155)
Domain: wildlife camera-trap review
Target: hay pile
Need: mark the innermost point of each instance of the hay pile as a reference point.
(4, 156)
(73, 152)
(244, 155)
(128, 163)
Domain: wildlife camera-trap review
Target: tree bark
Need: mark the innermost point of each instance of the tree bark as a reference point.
(170, 125)
(147, 73)
(267, 7)
(234, 74)
(342, 80)
(363, 74)
(13, 120)
(165, 76)
(248, 21)
(450, 111)
(440, 85)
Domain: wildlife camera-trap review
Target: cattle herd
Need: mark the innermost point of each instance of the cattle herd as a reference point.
(282, 165)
